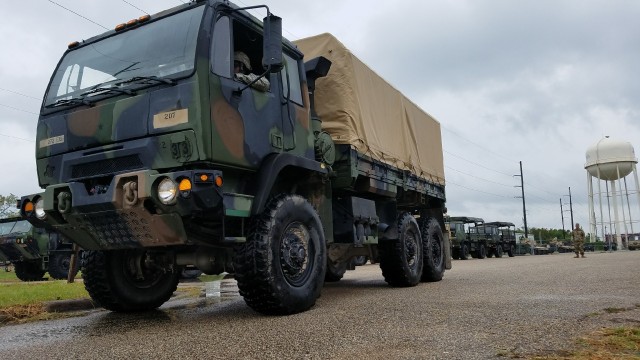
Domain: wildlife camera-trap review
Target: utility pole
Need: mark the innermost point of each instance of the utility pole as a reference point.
(573, 226)
(524, 207)
(562, 215)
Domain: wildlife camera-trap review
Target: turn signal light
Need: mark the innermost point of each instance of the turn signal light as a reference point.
(218, 181)
(185, 185)
(28, 207)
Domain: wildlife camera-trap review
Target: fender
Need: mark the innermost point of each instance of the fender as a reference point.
(270, 169)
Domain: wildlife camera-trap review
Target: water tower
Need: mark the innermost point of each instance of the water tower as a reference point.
(610, 161)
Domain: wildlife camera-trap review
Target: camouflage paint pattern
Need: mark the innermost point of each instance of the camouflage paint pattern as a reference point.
(27, 243)
(578, 240)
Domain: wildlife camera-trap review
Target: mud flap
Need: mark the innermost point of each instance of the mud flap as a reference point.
(447, 252)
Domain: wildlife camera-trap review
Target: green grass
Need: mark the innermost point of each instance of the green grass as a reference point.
(8, 276)
(27, 293)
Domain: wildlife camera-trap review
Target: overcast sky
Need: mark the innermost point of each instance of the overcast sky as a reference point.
(533, 81)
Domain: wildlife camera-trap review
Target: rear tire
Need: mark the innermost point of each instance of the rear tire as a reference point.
(401, 261)
(512, 251)
(28, 270)
(464, 252)
(111, 279)
(335, 271)
(482, 251)
(59, 265)
(432, 250)
(360, 260)
(499, 251)
(281, 267)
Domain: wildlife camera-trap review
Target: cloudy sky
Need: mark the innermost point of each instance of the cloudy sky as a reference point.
(536, 81)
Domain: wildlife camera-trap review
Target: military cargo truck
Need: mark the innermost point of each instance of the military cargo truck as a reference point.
(154, 155)
(461, 239)
(33, 251)
(503, 236)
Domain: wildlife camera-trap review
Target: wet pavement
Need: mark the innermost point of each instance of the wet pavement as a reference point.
(482, 309)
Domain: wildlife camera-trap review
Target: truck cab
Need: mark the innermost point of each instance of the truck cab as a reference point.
(33, 251)
(465, 240)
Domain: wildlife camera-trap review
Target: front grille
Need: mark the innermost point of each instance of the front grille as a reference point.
(106, 167)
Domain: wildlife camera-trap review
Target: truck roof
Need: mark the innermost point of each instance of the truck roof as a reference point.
(466, 219)
(500, 223)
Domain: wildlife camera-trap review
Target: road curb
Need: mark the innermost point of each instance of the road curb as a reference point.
(70, 305)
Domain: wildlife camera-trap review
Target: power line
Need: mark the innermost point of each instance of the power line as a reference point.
(477, 177)
(14, 108)
(480, 146)
(21, 94)
(136, 6)
(69, 10)
(15, 137)
(475, 163)
(485, 192)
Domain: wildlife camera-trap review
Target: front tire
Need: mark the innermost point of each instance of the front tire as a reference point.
(28, 270)
(432, 250)
(401, 261)
(113, 280)
(499, 251)
(281, 267)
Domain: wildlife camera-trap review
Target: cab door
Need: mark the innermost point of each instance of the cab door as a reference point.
(246, 122)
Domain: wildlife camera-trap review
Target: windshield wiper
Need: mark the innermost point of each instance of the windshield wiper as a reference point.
(147, 80)
(108, 90)
(72, 101)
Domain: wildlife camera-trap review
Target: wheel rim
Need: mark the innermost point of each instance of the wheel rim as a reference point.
(411, 249)
(147, 277)
(295, 260)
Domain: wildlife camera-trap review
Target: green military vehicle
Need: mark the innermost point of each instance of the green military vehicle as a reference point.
(463, 243)
(155, 154)
(503, 238)
(33, 251)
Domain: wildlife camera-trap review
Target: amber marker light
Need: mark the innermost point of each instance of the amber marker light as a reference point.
(144, 18)
(204, 177)
(73, 44)
(218, 181)
(28, 208)
(185, 185)
(120, 26)
(132, 22)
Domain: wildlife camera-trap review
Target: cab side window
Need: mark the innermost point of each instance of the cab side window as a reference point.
(221, 48)
(291, 75)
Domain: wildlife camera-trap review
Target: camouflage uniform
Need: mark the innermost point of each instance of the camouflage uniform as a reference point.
(262, 84)
(578, 241)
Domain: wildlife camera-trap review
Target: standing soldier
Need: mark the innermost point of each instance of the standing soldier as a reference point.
(578, 241)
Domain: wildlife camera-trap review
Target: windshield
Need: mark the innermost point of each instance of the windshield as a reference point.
(164, 48)
(21, 226)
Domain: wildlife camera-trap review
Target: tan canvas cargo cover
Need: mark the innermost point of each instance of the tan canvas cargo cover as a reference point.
(360, 108)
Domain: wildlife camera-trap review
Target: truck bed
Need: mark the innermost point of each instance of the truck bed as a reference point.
(363, 173)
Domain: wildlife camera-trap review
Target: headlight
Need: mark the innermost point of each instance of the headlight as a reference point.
(40, 214)
(167, 190)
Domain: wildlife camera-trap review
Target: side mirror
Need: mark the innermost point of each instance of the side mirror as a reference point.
(272, 44)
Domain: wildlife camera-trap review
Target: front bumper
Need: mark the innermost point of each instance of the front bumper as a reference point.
(128, 213)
